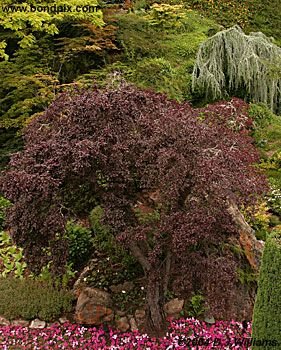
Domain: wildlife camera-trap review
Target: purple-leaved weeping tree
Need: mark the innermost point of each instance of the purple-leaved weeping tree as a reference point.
(114, 145)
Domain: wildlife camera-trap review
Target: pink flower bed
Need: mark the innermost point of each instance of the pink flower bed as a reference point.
(182, 334)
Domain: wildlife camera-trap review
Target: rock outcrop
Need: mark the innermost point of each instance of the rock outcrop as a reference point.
(93, 307)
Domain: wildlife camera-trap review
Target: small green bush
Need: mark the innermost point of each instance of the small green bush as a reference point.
(267, 318)
(29, 299)
(196, 306)
(115, 264)
(261, 114)
(46, 275)
(79, 243)
(165, 16)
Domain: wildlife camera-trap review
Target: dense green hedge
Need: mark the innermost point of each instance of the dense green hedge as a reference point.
(267, 315)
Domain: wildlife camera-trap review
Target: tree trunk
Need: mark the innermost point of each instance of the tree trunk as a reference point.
(156, 324)
(157, 276)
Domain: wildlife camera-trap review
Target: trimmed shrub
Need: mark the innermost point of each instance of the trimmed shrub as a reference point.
(267, 316)
(29, 299)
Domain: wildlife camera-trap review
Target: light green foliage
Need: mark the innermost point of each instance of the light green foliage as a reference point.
(37, 66)
(266, 318)
(135, 34)
(26, 23)
(27, 85)
(140, 5)
(262, 116)
(165, 16)
(196, 306)
(275, 160)
(147, 218)
(103, 239)
(96, 224)
(79, 243)
(104, 77)
(26, 95)
(46, 275)
(3, 55)
(29, 299)
(231, 61)
(11, 257)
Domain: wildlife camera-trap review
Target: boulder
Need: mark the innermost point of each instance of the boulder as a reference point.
(4, 321)
(63, 320)
(109, 317)
(93, 307)
(19, 322)
(122, 324)
(174, 307)
(94, 295)
(37, 324)
(93, 314)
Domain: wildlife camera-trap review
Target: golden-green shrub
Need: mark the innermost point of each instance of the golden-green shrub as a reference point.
(30, 299)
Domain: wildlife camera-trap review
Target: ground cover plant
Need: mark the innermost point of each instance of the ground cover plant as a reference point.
(193, 171)
(182, 334)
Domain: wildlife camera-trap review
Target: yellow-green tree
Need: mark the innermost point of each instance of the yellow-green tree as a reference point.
(26, 20)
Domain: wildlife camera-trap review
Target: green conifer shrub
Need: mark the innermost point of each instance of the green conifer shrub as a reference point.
(267, 316)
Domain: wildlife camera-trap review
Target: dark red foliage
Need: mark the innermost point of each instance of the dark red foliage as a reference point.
(119, 144)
